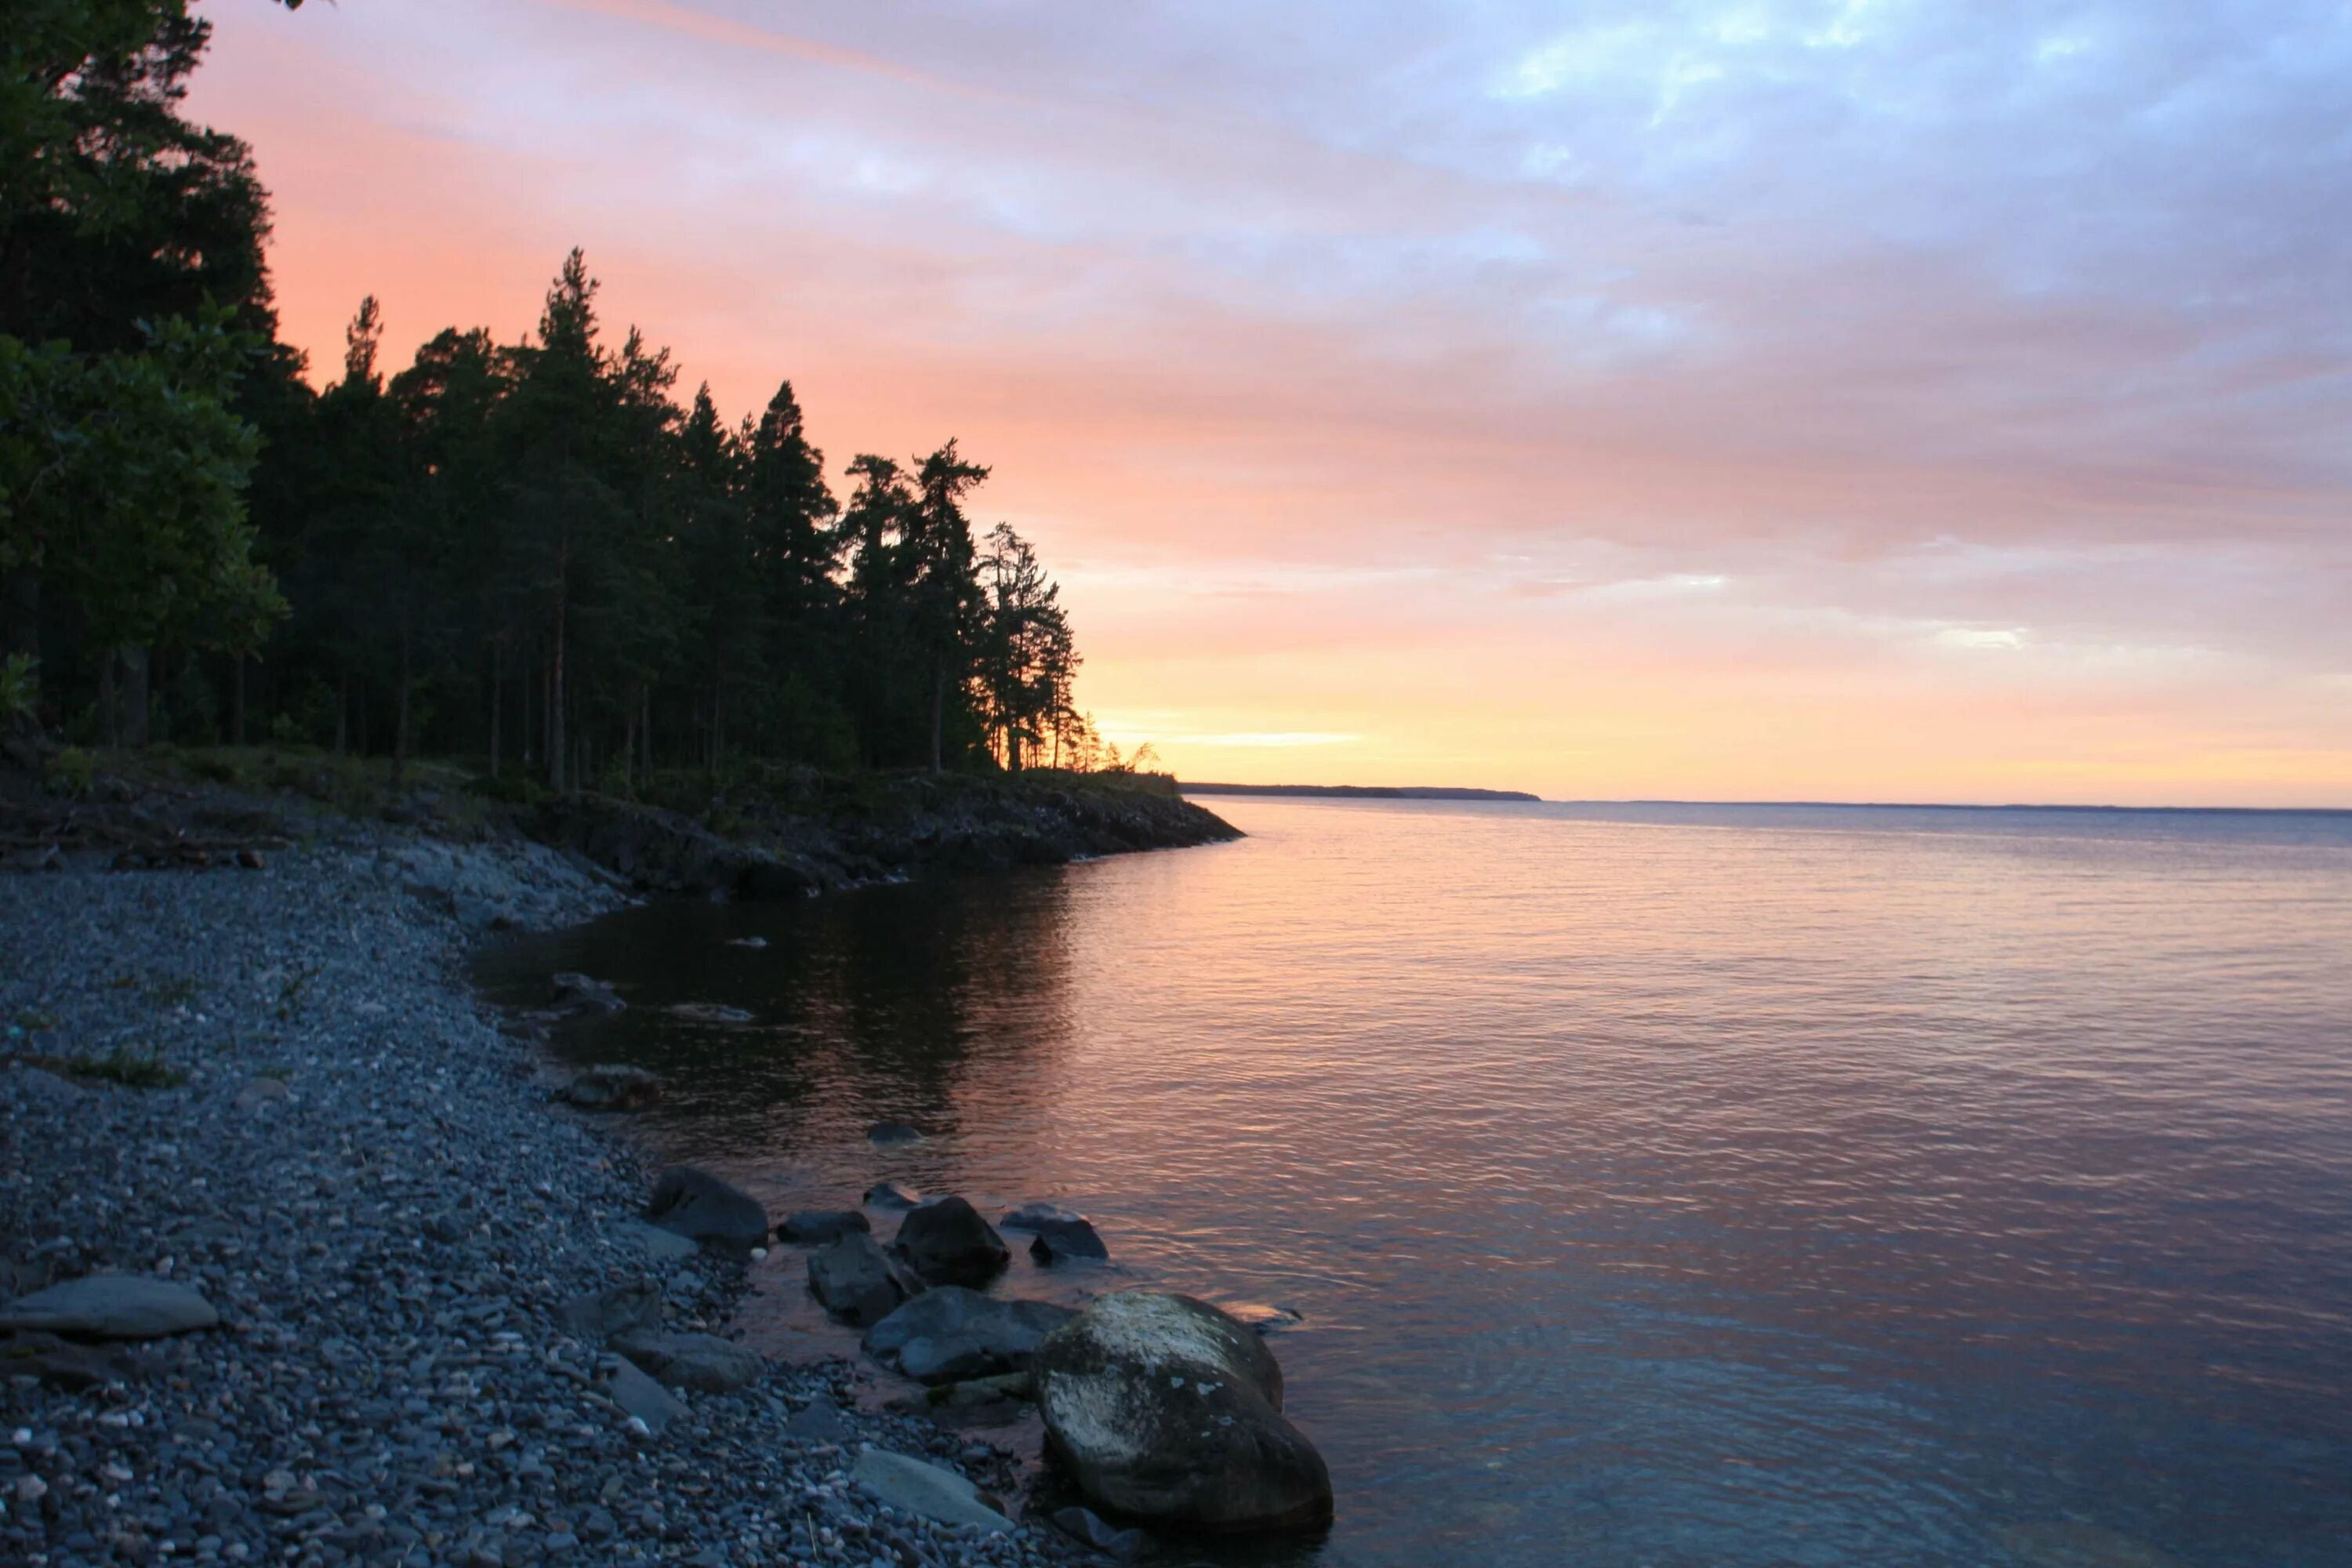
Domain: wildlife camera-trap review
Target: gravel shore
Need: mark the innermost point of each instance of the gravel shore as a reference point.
(363, 1174)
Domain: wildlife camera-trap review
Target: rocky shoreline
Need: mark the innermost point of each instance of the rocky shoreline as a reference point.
(269, 1087)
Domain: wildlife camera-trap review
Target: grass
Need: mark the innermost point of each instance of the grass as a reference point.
(132, 1066)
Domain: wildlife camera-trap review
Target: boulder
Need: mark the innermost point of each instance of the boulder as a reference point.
(1060, 1238)
(859, 1282)
(950, 1334)
(60, 1364)
(1029, 1216)
(577, 993)
(819, 1421)
(609, 1085)
(1165, 1410)
(641, 1397)
(693, 1203)
(891, 1195)
(927, 1490)
(655, 1242)
(112, 1307)
(884, 1134)
(1085, 1524)
(809, 1227)
(751, 942)
(945, 1240)
(600, 1314)
(703, 1362)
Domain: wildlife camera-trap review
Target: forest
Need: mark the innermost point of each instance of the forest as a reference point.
(537, 555)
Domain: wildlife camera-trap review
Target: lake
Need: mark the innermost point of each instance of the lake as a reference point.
(1659, 1185)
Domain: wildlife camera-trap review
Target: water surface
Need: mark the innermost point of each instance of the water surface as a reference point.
(1661, 1185)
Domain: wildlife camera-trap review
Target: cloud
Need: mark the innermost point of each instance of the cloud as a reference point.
(1746, 329)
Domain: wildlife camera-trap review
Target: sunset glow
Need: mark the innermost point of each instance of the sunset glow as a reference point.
(1793, 399)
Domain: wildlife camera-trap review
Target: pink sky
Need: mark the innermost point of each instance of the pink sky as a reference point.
(1829, 400)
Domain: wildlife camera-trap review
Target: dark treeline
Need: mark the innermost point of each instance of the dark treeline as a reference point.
(535, 554)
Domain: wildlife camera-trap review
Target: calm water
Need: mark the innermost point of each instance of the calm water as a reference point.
(1661, 1185)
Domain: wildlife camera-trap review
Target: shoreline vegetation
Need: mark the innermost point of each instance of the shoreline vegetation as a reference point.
(537, 553)
(350, 1277)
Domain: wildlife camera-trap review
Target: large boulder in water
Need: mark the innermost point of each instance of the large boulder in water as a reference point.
(950, 1334)
(946, 1241)
(698, 1205)
(859, 1282)
(1166, 1410)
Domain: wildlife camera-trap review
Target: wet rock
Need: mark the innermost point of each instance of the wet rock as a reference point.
(600, 1314)
(692, 1202)
(1164, 1409)
(751, 942)
(1085, 1524)
(709, 1013)
(1061, 1238)
(926, 1489)
(610, 1085)
(887, 1134)
(579, 994)
(809, 1227)
(950, 1334)
(891, 1195)
(857, 1282)
(946, 1242)
(703, 1362)
(113, 1307)
(641, 1397)
(1029, 1216)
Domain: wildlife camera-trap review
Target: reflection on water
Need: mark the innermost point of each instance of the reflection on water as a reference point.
(1661, 1185)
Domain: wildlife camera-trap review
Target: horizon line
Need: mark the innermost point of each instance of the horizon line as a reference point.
(1837, 805)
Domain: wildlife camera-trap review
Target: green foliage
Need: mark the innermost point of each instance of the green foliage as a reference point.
(528, 552)
(70, 771)
(132, 1066)
(120, 481)
(20, 690)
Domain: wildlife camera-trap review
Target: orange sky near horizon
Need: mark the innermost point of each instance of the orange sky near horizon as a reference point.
(1405, 395)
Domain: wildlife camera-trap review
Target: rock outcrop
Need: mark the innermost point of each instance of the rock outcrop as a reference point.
(946, 1242)
(950, 1334)
(112, 1307)
(859, 1282)
(1166, 1411)
(691, 1202)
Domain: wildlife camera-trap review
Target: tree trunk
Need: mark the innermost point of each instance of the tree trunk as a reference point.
(400, 726)
(555, 689)
(134, 695)
(939, 711)
(109, 734)
(24, 611)
(629, 744)
(497, 692)
(342, 711)
(236, 701)
(646, 729)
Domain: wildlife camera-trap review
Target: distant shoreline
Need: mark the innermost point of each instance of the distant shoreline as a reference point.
(1411, 791)
(1360, 792)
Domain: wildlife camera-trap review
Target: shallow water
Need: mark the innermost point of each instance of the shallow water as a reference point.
(1661, 1185)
